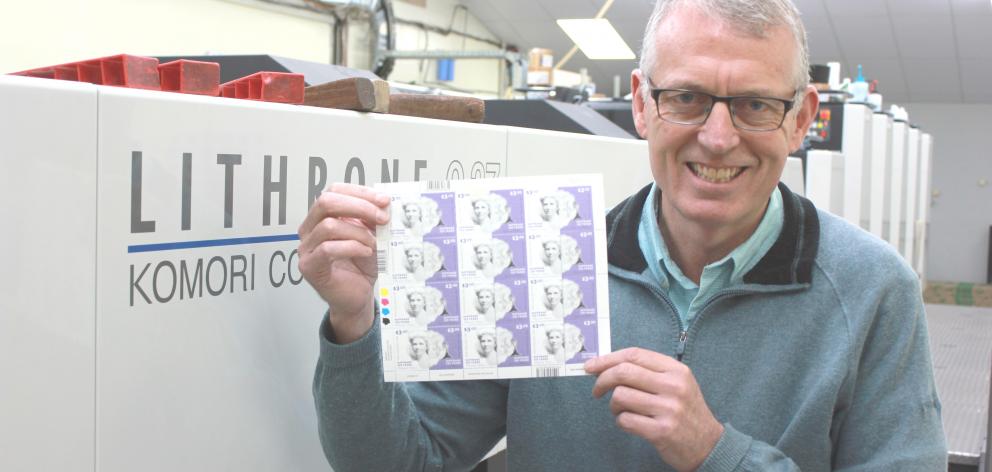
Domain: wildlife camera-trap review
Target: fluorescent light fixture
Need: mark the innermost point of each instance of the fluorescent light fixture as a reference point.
(597, 38)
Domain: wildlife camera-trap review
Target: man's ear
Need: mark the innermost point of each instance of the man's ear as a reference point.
(637, 102)
(804, 117)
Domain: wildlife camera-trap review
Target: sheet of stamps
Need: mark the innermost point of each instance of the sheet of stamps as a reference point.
(493, 278)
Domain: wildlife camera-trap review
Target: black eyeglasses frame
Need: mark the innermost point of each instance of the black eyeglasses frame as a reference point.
(656, 92)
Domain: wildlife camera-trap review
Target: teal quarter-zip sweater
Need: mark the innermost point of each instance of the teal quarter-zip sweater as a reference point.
(818, 360)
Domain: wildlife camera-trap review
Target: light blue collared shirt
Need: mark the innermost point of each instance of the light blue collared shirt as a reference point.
(684, 293)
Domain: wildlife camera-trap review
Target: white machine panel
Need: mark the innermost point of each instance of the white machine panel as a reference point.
(923, 207)
(206, 336)
(856, 148)
(47, 287)
(912, 189)
(792, 175)
(623, 162)
(881, 166)
(897, 179)
(825, 180)
(153, 316)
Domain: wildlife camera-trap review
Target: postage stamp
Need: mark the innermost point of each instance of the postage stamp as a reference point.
(492, 278)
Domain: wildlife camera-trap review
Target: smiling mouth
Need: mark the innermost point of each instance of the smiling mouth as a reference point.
(716, 175)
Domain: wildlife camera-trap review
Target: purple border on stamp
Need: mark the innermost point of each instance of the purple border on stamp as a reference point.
(581, 342)
(513, 343)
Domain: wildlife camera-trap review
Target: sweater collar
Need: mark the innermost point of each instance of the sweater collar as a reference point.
(789, 261)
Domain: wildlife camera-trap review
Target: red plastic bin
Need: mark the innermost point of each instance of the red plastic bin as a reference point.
(185, 76)
(122, 70)
(281, 87)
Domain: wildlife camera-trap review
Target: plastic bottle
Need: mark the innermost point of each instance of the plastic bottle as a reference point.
(834, 80)
(859, 88)
(875, 100)
(845, 85)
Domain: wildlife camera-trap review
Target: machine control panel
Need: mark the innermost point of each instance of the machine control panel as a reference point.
(825, 132)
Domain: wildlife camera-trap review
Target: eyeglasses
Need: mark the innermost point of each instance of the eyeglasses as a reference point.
(688, 107)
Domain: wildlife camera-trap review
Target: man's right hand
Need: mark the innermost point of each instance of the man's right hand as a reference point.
(337, 254)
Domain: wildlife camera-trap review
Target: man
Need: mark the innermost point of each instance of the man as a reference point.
(748, 333)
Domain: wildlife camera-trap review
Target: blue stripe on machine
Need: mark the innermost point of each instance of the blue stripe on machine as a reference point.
(210, 243)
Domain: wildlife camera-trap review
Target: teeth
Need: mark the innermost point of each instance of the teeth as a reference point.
(715, 175)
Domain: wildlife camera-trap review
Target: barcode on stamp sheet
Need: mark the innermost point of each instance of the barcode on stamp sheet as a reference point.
(438, 184)
(380, 259)
(547, 371)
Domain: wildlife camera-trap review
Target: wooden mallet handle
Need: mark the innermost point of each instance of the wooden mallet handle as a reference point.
(353, 93)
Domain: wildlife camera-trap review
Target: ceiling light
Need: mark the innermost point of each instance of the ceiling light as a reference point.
(597, 39)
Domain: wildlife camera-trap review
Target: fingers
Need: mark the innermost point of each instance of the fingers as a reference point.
(657, 398)
(360, 191)
(640, 425)
(335, 250)
(347, 201)
(629, 375)
(333, 229)
(329, 251)
(680, 426)
(648, 359)
(635, 401)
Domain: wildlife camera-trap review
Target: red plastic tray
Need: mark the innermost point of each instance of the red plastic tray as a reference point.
(279, 87)
(122, 70)
(185, 76)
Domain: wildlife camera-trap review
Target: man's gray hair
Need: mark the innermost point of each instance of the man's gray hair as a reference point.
(753, 17)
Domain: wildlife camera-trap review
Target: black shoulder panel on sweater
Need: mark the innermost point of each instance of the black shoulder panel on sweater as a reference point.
(790, 259)
(623, 249)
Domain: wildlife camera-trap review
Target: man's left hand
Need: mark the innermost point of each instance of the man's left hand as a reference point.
(657, 398)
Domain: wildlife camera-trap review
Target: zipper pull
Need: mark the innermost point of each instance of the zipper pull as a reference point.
(681, 350)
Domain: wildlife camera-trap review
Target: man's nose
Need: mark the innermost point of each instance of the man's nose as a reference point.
(718, 134)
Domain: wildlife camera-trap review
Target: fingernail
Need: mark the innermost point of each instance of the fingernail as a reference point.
(381, 216)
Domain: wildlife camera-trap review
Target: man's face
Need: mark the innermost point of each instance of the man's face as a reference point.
(714, 174)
